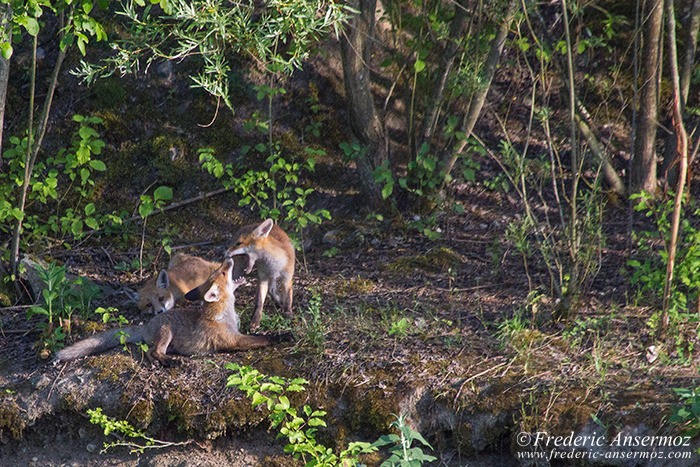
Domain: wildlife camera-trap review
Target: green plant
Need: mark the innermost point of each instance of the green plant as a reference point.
(399, 328)
(510, 327)
(298, 426)
(146, 208)
(331, 252)
(65, 179)
(127, 434)
(279, 35)
(589, 328)
(76, 25)
(687, 415)
(649, 275)
(312, 323)
(61, 299)
(402, 452)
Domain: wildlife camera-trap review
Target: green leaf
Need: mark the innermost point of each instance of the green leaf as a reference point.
(30, 24)
(163, 192)
(258, 399)
(92, 223)
(98, 165)
(145, 210)
(77, 227)
(387, 190)
(419, 66)
(89, 209)
(6, 50)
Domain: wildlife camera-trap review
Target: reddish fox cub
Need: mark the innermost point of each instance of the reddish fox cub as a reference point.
(186, 331)
(184, 273)
(270, 247)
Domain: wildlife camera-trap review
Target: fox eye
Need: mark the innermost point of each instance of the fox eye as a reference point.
(161, 299)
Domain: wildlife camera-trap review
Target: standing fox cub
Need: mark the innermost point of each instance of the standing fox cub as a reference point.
(184, 331)
(270, 247)
(184, 273)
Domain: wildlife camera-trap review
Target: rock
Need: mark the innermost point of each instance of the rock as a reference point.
(333, 237)
(165, 70)
(91, 447)
(30, 275)
(40, 381)
(175, 153)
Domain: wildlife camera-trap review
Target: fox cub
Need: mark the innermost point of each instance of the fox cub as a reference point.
(268, 246)
(186, 331)
(184, 273)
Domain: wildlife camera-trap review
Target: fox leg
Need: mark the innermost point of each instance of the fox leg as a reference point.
(245, 342)
(159, 347)
(263, 286)
(274, 291)
(287, 297)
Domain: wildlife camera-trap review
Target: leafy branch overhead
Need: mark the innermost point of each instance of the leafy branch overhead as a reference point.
(278, 35)
(26, 15)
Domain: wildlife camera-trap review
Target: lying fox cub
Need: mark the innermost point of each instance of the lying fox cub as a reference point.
(214, 327)
(184, 273)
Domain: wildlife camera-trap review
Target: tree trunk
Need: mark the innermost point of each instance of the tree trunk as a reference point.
(33, 146)
(449, 158)
(670, 165)
(446, 62)
(365, 122)
(681, 149)
(643, 176)
(691, 46)
(5, 15)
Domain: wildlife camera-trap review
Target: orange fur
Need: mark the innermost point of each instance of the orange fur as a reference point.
(268, 246)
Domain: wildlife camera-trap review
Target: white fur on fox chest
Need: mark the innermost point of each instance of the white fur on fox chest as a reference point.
(271, 264)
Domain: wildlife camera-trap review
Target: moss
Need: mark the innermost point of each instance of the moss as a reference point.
(440, 259)
(233, 414)
(110, 367)
(108, 93)
(73, 401)
(7, 294)
(90, 327)
(354, 287)
(139, 410)
(372, 411)
(182, 408)
(10, 420)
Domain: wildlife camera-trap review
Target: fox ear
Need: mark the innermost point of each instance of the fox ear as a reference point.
(212, 294)
(263, 230)
(163, 282)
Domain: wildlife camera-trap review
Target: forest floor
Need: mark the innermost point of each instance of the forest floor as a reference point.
(446, 331)
(399, 315)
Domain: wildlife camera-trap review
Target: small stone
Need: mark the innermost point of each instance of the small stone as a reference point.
(332, 237)
(82, 432)
(40, 381)
(175, 153)
(91, 447)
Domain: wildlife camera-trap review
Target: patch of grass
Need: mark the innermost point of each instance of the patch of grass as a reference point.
(354, 287)
(440, 259)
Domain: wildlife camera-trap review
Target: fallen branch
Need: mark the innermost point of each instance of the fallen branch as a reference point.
(184, 202)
